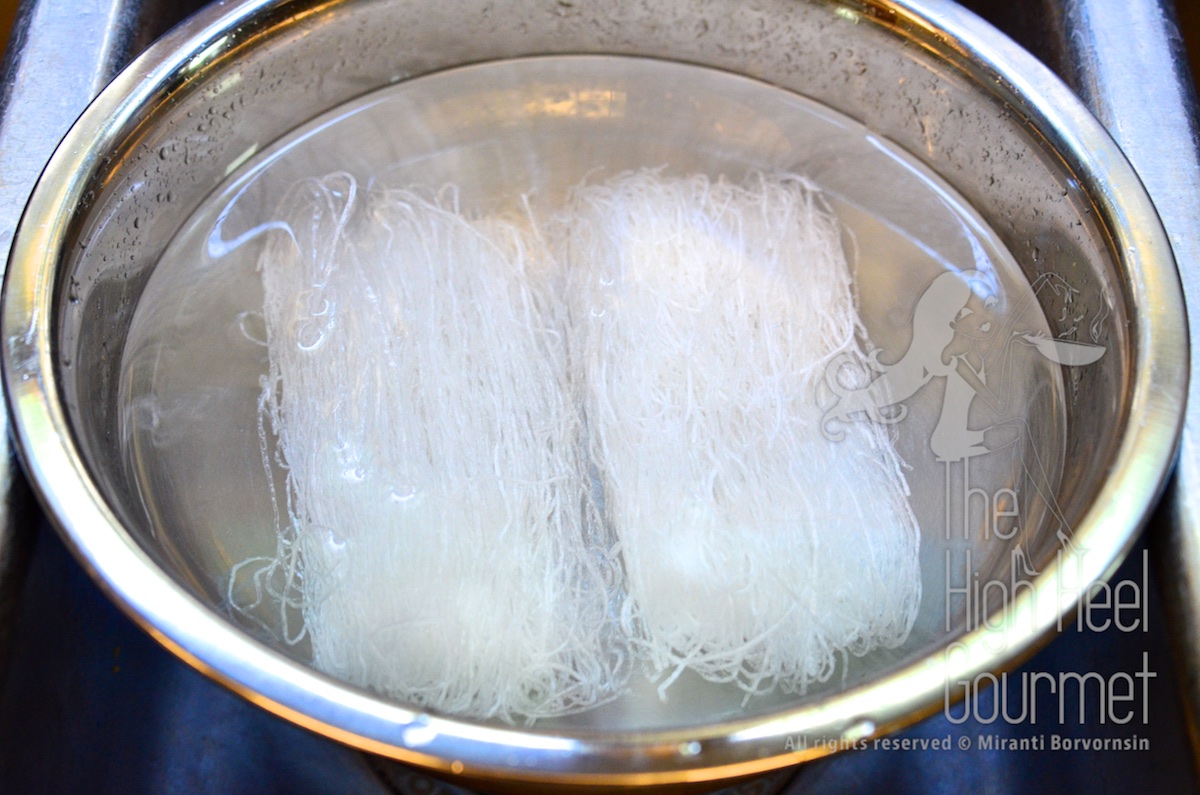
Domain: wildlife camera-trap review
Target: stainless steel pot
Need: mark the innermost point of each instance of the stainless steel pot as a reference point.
(991, 121)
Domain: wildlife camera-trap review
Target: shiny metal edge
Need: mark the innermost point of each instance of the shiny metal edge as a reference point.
(1128, 63)
(59, 58)
(732, 749)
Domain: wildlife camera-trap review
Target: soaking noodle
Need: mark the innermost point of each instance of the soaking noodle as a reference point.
(439, 537)
(705, 316)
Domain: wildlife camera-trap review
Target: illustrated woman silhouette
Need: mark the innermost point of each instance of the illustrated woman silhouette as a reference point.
(931, 354)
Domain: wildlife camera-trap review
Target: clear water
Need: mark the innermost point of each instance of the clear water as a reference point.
(533, 128)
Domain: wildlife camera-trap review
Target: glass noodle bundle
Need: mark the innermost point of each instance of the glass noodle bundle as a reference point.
(439, 536)
(704, 318)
